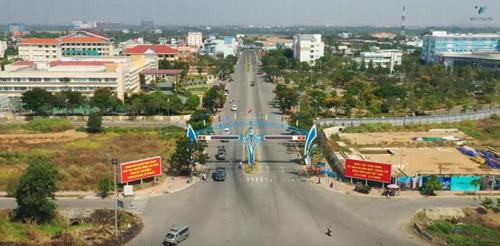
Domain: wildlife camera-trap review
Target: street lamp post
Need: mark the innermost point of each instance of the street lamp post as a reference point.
(114, 162)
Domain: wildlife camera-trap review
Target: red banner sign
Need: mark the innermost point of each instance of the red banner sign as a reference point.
(140, 169)
(367, 170)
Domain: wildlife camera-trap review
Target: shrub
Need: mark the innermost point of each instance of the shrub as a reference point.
(49, 125)
(104, 186)
(94, 123)
(361, 188)
(487, 203)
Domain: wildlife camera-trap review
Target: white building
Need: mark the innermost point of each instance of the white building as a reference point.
(308, 47)
(225, 47)
(82, 24)
(83, 74)
(81, 43)
(3, 47)
(194, 39)
(39, 49)
(382, 58)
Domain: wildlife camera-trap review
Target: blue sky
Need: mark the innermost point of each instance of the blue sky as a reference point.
(251, 12)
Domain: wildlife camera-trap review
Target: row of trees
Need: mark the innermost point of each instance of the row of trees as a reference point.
(340, 86)
(42, 102)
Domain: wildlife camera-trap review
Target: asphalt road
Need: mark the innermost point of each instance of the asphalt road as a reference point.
(277, 206)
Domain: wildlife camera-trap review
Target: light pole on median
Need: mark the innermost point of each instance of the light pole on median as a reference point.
(114, 162)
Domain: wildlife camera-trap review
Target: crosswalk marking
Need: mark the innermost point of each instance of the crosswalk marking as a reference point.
(137, 205)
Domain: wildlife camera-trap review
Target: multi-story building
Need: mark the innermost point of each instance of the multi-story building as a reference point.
(482, 60)
(308, 47)
(441, 41)
(81, 43)
(194, 39)
(224, 47)
(382, 58)
(3, 47)
(82, 24)
(83, 74)
(162, 52)
(39, 49)
(87, 43)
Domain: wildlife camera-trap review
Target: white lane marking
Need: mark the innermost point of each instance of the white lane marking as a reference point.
(261, 179)
(248, 179)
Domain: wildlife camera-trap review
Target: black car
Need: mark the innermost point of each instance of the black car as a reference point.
(219, 174)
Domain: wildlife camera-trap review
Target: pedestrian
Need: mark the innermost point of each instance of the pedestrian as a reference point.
(329, 231)
(331, 185)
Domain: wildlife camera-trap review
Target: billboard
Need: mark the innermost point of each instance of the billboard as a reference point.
(367, 170)
(140, 169)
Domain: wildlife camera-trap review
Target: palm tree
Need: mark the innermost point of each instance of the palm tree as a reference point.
(476, 183)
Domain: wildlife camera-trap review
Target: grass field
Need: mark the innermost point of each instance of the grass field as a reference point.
(464, 234)
(84, 161)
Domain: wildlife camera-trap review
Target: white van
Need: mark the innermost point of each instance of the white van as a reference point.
(176, 235)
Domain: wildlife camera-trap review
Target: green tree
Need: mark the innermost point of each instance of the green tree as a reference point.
(432, 185)
(476, 183)
(185, 151)
(192, 102)
(198, 117)
(38, 100)
(94, 123)
(105, 100)
(69, 100)
(36, 186)
(104, 186)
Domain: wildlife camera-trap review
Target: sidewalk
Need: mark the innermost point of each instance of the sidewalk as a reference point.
(348, 189)
(169, 185)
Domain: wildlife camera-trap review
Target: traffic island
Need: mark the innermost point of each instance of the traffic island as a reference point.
(71, 227)
(253, 169)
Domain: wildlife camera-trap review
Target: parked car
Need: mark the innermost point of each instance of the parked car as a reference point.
(176, 235)
(252, 83)
(221, 153)
(219, 174)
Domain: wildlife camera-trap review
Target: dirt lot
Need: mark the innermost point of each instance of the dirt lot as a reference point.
(82, 159)
(429, 160)
(394, 138)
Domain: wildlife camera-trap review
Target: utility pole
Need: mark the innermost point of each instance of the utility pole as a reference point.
(114, 162)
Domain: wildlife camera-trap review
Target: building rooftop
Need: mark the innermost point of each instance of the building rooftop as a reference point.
(31, 41)
(446, 34)
(475, 55)
(79, 63)
(156, 48)
(83, 40)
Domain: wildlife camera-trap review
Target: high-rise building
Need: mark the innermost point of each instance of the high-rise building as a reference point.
(308, 47)
(147, 25)
(17, 29)
(441, 41)
(194, 39)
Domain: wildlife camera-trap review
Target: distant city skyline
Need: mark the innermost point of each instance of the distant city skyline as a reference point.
(471, 13)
